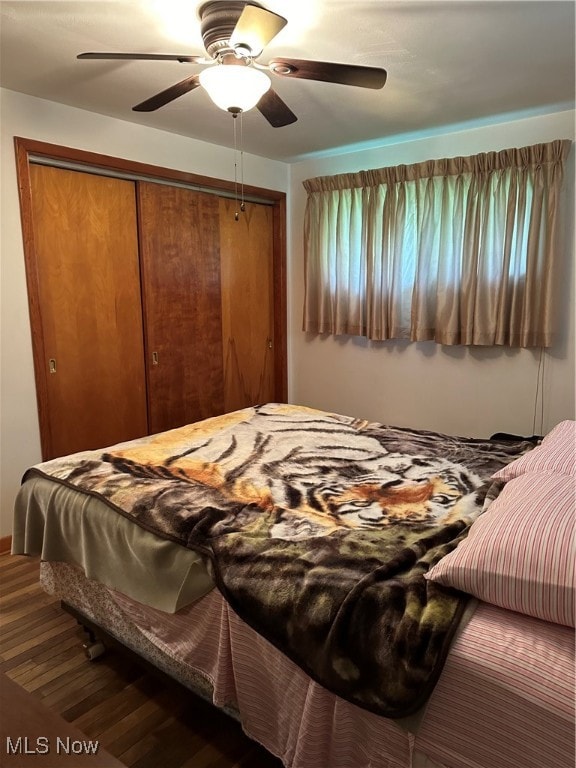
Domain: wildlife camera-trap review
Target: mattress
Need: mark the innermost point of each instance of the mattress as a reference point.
(504, 700)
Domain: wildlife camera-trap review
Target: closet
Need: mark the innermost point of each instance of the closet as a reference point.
(86, 239)
(247, 304)
(152, 305)
(181, 297)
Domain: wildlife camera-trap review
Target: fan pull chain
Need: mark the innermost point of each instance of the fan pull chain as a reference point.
(236, 214)
(242, 205)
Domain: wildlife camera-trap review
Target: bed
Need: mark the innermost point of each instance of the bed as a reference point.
(356, 595)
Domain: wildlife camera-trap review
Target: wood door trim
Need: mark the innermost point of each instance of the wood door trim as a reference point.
(27, 148)
(108, 162)
(30, 263)
(280, 301)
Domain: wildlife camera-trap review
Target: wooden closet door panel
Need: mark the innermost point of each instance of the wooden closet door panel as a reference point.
(86, 243)
(180, 267)
(246, 249)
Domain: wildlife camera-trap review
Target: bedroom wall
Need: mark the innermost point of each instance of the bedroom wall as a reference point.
(457, 390)
(45, 121)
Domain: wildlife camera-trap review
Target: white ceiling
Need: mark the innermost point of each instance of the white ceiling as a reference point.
(449, 63)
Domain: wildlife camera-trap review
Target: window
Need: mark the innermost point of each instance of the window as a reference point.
(459, 251)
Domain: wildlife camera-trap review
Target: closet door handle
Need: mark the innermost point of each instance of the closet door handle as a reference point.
(154, 358)
(52, 365)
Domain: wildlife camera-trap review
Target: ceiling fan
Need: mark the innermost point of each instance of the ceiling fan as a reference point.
(235, 35)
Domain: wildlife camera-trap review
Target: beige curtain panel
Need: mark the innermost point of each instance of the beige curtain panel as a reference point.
(458, 251)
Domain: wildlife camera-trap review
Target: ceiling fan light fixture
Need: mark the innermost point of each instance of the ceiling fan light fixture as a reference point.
(234, 88)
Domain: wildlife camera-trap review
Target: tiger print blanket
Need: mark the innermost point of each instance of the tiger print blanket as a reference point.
(318, 528)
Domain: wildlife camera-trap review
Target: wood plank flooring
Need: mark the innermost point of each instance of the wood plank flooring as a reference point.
(143, 721)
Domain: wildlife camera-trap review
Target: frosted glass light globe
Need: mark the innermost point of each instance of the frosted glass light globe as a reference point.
(234, 88)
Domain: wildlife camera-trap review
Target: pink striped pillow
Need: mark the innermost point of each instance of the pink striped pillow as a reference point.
(556, 453)
(520, 554)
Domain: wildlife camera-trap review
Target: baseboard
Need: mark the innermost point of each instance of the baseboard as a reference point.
(5, 544)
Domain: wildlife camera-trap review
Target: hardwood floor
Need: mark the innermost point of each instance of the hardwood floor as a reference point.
(143, 721)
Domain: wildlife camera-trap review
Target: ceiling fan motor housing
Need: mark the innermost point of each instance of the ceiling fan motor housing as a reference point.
(217, 22)
(235, 32)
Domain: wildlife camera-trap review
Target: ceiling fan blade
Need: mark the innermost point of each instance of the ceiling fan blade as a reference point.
(143, 57)
(255, 28)
(345, 74)
(164, 97)
(275, 110)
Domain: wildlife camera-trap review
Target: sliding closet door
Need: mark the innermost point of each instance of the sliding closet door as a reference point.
(246, 248)
(86, 248)
(180, 268)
